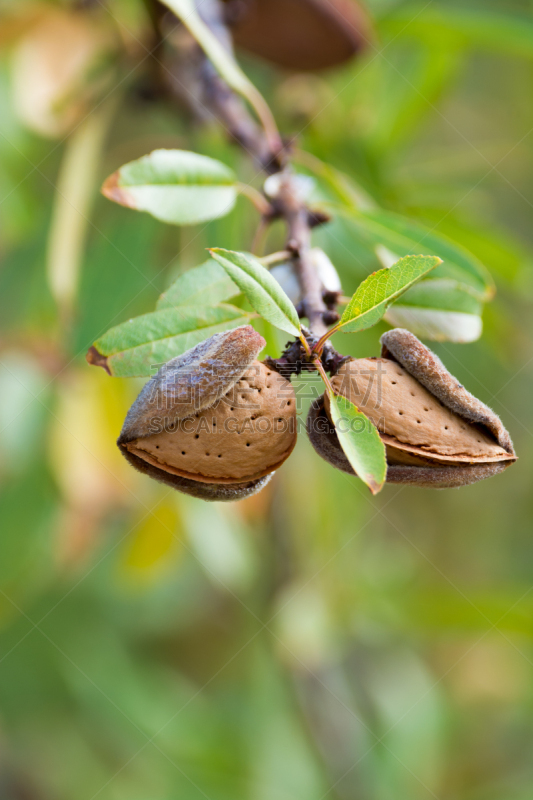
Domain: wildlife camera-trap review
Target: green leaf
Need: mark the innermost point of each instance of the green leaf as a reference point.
(262, 290)
(361, 442)
(439, 309)
(205, 285)
(134, 348)
(403, 236)
(380, 289)
(174, 186)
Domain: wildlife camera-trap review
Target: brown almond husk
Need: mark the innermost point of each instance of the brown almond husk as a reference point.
(425, 472)
(404, 347)
(214, 423)
(245, 436)
(193, 381)
(409, 418)
(303, 35)
(202, 491)
(436, 433)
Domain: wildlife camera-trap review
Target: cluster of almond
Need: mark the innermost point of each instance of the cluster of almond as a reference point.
(216, 423)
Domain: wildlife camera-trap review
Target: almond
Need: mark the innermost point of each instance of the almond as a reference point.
(436, 434)
(246, 435)
(302, 34)
(214, 422)
(409, 418)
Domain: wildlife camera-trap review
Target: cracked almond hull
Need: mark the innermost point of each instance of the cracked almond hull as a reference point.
(199, 478)
(423, 472)
(212, 492)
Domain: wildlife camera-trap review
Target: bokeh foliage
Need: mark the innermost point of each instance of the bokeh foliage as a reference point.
(312, 641)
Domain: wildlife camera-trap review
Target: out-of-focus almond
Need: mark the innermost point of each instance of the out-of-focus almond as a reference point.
(302, 34)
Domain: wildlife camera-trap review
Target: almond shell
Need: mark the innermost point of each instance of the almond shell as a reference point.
(245, 436)
(424, 473)
(436, 434)
(409, 418)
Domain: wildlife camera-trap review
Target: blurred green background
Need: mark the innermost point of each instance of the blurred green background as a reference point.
(310, 642)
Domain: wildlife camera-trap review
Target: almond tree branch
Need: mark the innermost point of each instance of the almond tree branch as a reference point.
(212, 94)
(296, 215)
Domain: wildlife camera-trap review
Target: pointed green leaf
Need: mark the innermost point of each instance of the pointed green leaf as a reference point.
(380, 289)
(361, 442)
(205, 285)
(404, 236)
(134, 348)
(262, 290)
(175, 186)
(440, 309)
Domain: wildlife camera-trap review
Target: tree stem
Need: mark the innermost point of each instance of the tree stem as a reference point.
(264, 146)
(296, 215)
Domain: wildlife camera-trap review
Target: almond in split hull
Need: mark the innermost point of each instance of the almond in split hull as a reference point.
(412, 422)
(246, 435)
